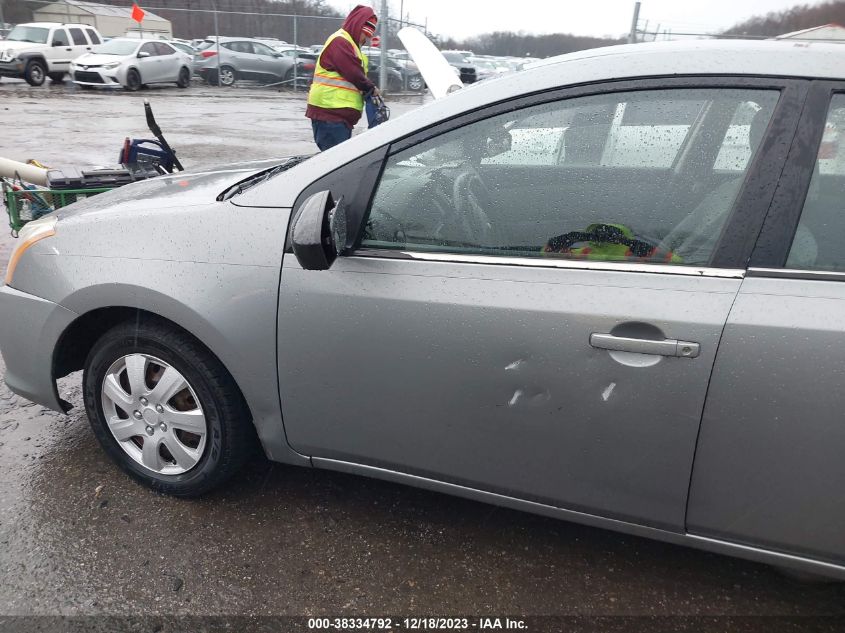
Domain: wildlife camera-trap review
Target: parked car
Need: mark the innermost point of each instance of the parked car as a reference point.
(37, 50)
(410, 76)
(242, 58)
(132, 63)
(650, 348)
(183, 47)
(468, 72)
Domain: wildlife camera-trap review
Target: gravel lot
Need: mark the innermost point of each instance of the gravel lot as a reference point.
(79, 538)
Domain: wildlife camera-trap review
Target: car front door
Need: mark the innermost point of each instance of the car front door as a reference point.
(148, 63)
(769, 470)
(555, 346)
(271, 66)
(60, 52)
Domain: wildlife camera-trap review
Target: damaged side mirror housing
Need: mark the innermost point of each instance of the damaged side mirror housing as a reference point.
(318, 235)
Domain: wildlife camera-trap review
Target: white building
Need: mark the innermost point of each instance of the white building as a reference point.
(110, 21)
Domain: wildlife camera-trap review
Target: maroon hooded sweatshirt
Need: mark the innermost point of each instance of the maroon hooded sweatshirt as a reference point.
(339, 56)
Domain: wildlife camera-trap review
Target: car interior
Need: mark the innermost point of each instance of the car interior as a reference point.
(639, 176)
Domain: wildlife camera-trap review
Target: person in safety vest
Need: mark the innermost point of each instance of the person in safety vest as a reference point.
(336, 98)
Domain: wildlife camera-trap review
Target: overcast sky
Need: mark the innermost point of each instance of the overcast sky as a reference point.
(464, 18)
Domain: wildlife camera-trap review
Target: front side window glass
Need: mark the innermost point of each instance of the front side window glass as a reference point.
(261, 49)
(60, 38)
(819, 238)
(613, 177)
(150, 48)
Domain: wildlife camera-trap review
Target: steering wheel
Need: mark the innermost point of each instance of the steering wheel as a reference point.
(468, 193)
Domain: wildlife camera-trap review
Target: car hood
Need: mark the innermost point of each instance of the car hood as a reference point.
(184, 189)
(438, 74)
(98, 59)
(6, 45)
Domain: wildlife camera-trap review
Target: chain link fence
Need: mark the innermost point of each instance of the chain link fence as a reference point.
(293, 35)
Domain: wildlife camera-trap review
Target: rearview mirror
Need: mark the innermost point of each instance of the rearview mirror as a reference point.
(319, 231)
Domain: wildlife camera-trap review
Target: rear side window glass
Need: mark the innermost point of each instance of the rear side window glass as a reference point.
(820, 236)
(78, 37)
(613, 177)
(60, 38)
(92, 35)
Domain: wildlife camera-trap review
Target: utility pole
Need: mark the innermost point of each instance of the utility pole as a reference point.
(2, 19)
(632, 36)
(382, 69)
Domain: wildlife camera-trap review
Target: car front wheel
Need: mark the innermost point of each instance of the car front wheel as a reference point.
(165, 409)
(133, 80)
(184, 78)
(35, 72)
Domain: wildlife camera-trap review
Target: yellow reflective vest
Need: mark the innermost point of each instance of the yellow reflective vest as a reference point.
(329, 89)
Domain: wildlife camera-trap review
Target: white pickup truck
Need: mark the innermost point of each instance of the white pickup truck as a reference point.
(38, 50)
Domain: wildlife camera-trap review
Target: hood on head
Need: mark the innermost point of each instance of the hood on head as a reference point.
(355, 21)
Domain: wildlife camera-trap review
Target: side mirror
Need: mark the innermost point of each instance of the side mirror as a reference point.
(319, 231)
(143, 54)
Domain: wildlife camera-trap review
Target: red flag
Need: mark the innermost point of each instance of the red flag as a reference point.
(137, 13)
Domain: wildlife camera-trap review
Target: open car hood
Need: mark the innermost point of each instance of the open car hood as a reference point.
(438, 74)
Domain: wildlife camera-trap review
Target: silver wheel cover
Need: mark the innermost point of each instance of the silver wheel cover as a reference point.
(154, 414)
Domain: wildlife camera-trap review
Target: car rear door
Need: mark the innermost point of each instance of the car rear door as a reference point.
(455, 345)
(169, 60)
(769, 470)
(79, 42)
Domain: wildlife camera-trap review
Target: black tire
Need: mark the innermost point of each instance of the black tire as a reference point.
(227, 76)
(35, 72)
(184, 79)
(231, 437)
(56, 78)
(133, 80)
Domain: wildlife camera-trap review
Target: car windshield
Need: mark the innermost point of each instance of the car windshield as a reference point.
(117, 47)
(34, 34)
(455, 57)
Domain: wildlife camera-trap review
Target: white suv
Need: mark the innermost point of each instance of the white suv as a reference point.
(38, 50)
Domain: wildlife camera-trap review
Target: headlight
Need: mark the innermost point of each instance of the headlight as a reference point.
(30, 233)
(9, 54)
(111, 65)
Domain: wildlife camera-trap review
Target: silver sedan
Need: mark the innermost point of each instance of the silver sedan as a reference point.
(132, 63)
(609, 289)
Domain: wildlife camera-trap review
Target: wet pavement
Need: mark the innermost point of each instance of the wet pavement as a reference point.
(77, 537)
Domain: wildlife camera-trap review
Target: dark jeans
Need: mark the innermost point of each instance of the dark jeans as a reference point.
(328, 135)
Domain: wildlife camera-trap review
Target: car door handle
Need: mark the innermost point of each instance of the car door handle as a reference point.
(666, 347)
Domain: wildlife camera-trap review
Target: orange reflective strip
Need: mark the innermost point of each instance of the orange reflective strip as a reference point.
(335, 82)
(16, 256)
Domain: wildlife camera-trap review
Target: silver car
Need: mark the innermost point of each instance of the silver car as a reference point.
(132, 63)
(609, 289)
(241, 58)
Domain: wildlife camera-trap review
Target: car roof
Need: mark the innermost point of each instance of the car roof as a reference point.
(688, 57)
(659, 59)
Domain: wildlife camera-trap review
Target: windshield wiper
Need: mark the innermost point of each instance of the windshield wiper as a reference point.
(262, 176)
